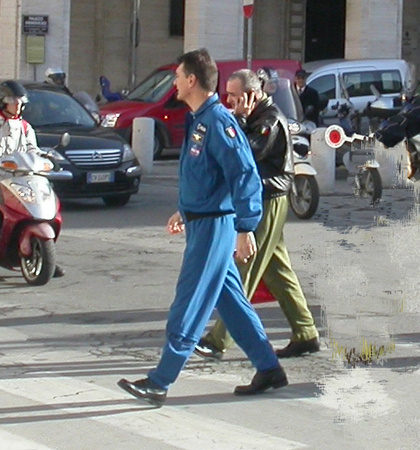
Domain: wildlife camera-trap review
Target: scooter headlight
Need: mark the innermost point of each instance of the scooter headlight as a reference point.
(25, 193)
(295, 127)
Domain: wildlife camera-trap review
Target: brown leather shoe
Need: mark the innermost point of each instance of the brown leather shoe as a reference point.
(146, 390)
(273, 378)
(299, 348)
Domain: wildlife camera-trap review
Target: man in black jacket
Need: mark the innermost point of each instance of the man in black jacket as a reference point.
(309, 97)
(267, 131)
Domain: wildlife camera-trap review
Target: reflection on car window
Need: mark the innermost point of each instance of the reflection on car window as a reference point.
(153, 88)
(49, 108)
(325, 85)
(358, 84)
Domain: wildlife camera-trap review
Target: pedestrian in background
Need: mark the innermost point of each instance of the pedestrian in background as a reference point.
(219, 208)
(309, 97)
(267, 131)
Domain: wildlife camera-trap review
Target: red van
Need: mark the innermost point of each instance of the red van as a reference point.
(155, 97)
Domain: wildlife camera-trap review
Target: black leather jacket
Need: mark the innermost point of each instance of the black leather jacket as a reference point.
(268, 135)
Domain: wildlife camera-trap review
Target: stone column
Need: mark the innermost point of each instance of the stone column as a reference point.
(217, 25)
(373, 29)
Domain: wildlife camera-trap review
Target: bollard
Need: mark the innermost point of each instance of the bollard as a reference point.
(323, 161)
(142, 141)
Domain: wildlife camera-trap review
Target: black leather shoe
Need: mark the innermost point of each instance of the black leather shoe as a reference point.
(59, 272)
(274, 378)
(207, 351)
(145, 390)
(299, 348)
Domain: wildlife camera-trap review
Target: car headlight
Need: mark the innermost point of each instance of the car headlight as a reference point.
(25, 193)
(128, 154)
(110, 120)
(56, 155)
(295, 127)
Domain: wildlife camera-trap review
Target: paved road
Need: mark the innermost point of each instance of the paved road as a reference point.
(64, 346)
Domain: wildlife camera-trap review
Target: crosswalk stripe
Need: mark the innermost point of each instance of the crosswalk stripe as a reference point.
(184, 430)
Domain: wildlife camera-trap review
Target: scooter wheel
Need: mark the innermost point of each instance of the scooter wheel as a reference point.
(38, 268)
(304, 196)
(371, 186)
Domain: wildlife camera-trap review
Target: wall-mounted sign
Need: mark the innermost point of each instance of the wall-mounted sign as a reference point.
(36, 25)
(35, 49)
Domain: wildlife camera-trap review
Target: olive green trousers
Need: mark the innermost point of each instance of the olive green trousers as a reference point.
(272, 264)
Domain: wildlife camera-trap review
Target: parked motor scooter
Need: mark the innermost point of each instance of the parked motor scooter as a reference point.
(304, 194)
(359, 157)
(30, 219)
(106, 92)
(404, 126)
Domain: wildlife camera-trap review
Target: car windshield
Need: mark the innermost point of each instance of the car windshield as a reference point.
(287, 100)
(153, 88)
(54, 109)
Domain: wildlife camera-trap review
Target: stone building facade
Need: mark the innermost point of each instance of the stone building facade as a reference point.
(89, 38)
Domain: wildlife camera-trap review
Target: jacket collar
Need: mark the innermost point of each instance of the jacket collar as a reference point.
(209, 102)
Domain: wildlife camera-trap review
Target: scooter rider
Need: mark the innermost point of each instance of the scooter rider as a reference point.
(57, 77)
(16, 134)
(267, 131)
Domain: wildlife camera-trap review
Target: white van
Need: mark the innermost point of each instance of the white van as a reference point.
(389, 76)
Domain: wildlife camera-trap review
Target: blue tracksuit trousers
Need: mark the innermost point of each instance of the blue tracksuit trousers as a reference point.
(209, 278)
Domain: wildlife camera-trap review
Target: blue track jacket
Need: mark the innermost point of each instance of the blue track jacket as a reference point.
(218, 174)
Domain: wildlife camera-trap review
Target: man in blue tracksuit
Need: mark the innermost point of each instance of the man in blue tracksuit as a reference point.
(220, 205)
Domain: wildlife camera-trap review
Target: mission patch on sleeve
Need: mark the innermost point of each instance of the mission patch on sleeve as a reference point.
(230, 131)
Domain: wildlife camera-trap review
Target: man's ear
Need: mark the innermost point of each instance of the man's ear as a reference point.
(192, 80)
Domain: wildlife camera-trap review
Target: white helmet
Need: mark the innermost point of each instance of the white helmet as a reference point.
(55, 76)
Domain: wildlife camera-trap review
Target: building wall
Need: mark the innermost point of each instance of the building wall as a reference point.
(9, 38)
(410, 32)
(216, 25)
(56, 40)
(100, 41)
(373, 29)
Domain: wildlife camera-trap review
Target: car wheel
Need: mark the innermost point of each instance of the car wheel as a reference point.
(157, 145)
(117, 200)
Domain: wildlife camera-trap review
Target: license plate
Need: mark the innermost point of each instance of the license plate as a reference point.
(100, 177)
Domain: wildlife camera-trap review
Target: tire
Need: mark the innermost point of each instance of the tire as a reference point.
(117, 200)
(157, 145)
(304, 196)
(372, 186)
(38, 268)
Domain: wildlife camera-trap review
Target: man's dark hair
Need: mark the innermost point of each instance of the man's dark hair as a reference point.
(201, 64)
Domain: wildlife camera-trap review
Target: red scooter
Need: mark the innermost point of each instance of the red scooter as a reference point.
(30, 218)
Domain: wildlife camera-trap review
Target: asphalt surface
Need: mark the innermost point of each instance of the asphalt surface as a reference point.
(64, 346)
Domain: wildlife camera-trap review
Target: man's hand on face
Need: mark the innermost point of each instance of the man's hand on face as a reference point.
(244, 105)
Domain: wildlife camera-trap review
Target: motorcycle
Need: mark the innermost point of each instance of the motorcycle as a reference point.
(304, 194)
(404, 126)
(30, 218)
